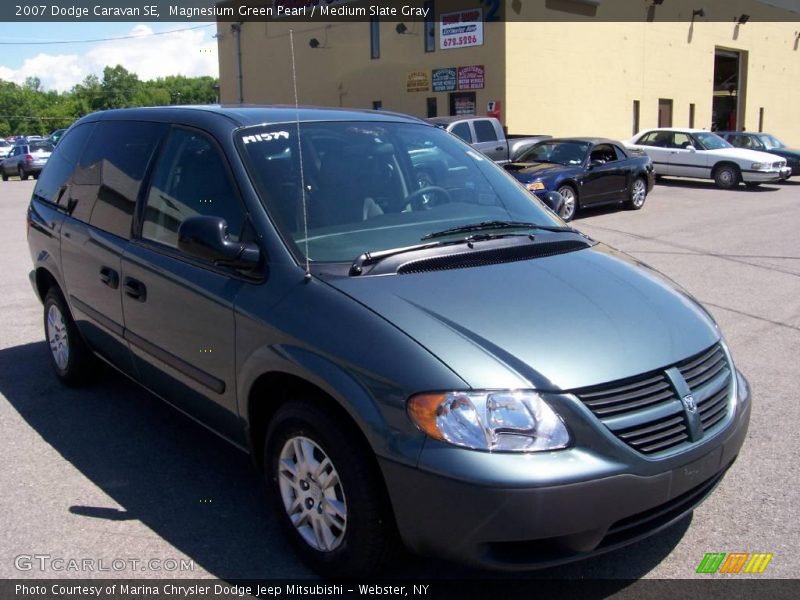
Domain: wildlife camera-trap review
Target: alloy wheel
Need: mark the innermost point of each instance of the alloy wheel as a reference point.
(57, 337)
(312, 494)
(639, 193)
(568, 209)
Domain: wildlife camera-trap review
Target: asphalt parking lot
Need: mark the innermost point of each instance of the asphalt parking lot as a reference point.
(112, 473)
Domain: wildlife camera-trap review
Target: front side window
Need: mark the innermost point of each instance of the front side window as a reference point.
(372, 186)
(681, 141)
(603, 153)
(462, 131)
(191, 179)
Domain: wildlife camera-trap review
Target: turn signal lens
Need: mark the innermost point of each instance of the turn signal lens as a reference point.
(535, 186)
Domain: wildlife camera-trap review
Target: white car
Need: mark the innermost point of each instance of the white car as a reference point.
(705, 155)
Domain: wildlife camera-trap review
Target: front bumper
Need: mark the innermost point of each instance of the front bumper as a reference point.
(766, 176)
(513, 512)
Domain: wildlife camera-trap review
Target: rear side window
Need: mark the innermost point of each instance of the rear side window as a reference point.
(110, 172)
(51, 186)
(190, 180)
(462, 131)
(484, 131)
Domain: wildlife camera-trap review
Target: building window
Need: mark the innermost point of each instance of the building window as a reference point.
(664, 112)
(430, 27)
(691, 115)
(375, 37)
(433, 110)
(636, 115)
(377, 104)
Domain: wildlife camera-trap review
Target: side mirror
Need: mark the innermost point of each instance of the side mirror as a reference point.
(206, 237)
(553, 200)
(691, 148)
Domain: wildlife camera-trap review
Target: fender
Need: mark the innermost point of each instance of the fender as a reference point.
(389, 432)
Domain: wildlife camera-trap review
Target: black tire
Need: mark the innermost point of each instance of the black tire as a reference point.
(36, 175)
(367, 538)
(22, 174)
(727, 177)
(71, 359)
(637, 194)
(4, 174)
(571, 204)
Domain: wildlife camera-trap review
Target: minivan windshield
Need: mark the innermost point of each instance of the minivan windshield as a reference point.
(376, 186)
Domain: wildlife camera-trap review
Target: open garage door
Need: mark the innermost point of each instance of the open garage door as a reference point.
(729, 90)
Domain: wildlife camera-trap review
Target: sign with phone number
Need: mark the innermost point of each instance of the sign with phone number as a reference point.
(461, 40)
(461, 29)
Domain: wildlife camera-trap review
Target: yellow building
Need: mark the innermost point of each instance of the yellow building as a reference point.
(559, 67)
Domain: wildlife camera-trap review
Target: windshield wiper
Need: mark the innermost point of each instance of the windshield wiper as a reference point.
(485, 225)
(370, 258)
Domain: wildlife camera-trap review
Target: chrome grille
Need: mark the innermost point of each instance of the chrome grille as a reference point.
(646, 411)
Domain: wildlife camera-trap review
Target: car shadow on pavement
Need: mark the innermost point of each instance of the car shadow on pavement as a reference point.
(199, 493)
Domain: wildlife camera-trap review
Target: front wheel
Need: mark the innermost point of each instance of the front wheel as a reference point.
(328, 491)
(637, 195)
(726, 177)
(570, 206)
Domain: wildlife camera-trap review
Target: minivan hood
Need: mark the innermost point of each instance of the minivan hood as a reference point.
(556, 323)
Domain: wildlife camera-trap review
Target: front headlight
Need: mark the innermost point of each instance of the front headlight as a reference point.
(503, 421)
(535, 186)
(759, 167)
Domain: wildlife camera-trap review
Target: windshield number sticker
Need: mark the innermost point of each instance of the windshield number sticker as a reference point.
(266, 137)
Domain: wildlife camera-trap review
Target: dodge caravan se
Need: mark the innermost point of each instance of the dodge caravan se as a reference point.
(409, 343)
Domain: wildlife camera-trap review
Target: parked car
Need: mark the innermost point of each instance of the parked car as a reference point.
(586, 172)
(705, 155)
(27, 159)
(764, 142)
(487, 135)
(464, 370)
(5, 148)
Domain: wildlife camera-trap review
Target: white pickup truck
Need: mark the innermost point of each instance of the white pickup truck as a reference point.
(486, 134)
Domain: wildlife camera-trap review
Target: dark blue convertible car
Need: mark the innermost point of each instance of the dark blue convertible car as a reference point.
(586, 172)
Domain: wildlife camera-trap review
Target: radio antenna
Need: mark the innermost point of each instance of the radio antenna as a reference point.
(300, 158)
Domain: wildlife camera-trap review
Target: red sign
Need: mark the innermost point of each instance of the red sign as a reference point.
(471, 78)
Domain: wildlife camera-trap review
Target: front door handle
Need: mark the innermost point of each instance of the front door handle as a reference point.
(135, 289)
(109, 277)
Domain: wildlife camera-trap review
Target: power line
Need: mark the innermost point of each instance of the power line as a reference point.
(111, 39)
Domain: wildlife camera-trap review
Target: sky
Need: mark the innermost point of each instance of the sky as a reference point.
(191, 52)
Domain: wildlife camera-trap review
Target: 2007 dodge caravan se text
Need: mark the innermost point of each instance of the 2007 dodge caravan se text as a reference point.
(405, 339)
